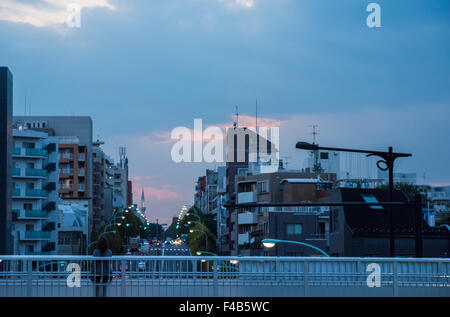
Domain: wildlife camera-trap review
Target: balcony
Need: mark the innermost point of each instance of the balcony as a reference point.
(81, 187)
(29, 214)
(81, 172)
(66, 156)
(36, 193)
(81, 157)
(16, 192)
(16, 171)
(66, 171)
(247, 218)
(246, 197)
(37, 235)
(243, 238)
(36, 152)
(16, 151)
(35, 172)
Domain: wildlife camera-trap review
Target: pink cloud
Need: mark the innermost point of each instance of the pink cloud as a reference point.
(166, 192)
(164, 137)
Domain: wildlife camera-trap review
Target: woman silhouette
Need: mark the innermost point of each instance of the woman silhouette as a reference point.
(101, 268)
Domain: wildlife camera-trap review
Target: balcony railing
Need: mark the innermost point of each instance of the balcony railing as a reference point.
(68, 156)
(16, 151)
(35, 192)
(196, 276)
(16, 171)
(35, 172)
(66, 171)
(16, 192)
(37, 234)
(246, 197)
(30, 213)
(36, 152)
(36, 213)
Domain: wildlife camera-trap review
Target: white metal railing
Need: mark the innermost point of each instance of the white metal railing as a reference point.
(222, 276)
(297, 209)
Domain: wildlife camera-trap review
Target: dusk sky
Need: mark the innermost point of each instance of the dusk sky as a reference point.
(142, 68)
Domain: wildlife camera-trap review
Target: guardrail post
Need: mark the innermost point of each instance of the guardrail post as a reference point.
(123, 279)
(29, 276)
(306, 277)
(215, 281)
(395, 278)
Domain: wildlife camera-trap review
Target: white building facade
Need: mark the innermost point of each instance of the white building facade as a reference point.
(34, 193)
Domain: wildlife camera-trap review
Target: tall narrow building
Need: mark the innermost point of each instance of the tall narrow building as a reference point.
(143, 202)
(6, 109)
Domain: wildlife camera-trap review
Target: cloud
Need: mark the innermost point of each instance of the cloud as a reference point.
(166, 192)
(239, 3)
(164, 137)
(44, 13)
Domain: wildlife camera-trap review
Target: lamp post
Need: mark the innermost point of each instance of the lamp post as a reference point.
(194, 214)
(206, 236)
(387, 158)
(205, 252)
(270, 243)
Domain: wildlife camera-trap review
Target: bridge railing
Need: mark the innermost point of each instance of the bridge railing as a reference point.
(223, 276)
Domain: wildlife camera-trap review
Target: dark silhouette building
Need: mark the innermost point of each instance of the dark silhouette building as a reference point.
(6, 123)
(362, 231)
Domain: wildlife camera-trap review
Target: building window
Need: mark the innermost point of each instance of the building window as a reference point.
(371, 199)
(294, 228)
(263, 187)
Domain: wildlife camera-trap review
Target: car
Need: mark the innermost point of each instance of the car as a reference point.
(141, 266)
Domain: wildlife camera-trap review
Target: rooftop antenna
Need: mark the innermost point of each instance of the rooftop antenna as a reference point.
(235, 123)
(316, 168)
(25, 112)
(257, 134)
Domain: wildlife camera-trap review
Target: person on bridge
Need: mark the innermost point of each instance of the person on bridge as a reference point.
(101, 269)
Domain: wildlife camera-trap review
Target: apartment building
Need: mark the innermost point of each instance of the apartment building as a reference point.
(6, 110)
(250, 225)
(72, 228)
(34, 192)
(102, 181)
(75, 133)
(73, 178)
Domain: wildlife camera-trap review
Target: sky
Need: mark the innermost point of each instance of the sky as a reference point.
(141, 68)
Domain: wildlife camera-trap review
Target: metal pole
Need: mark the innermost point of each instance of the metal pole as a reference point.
(390, 165)
(418, 226)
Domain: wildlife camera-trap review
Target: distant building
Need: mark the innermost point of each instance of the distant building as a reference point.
(408, 178)
(6, 135)
(72, 233)
(362, 231)
(250, 225)
(34, 192)
(102, 183)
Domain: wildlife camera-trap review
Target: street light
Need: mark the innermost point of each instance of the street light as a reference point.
(387, 158)
(270, 243)
(206, 236)
(205, 252)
